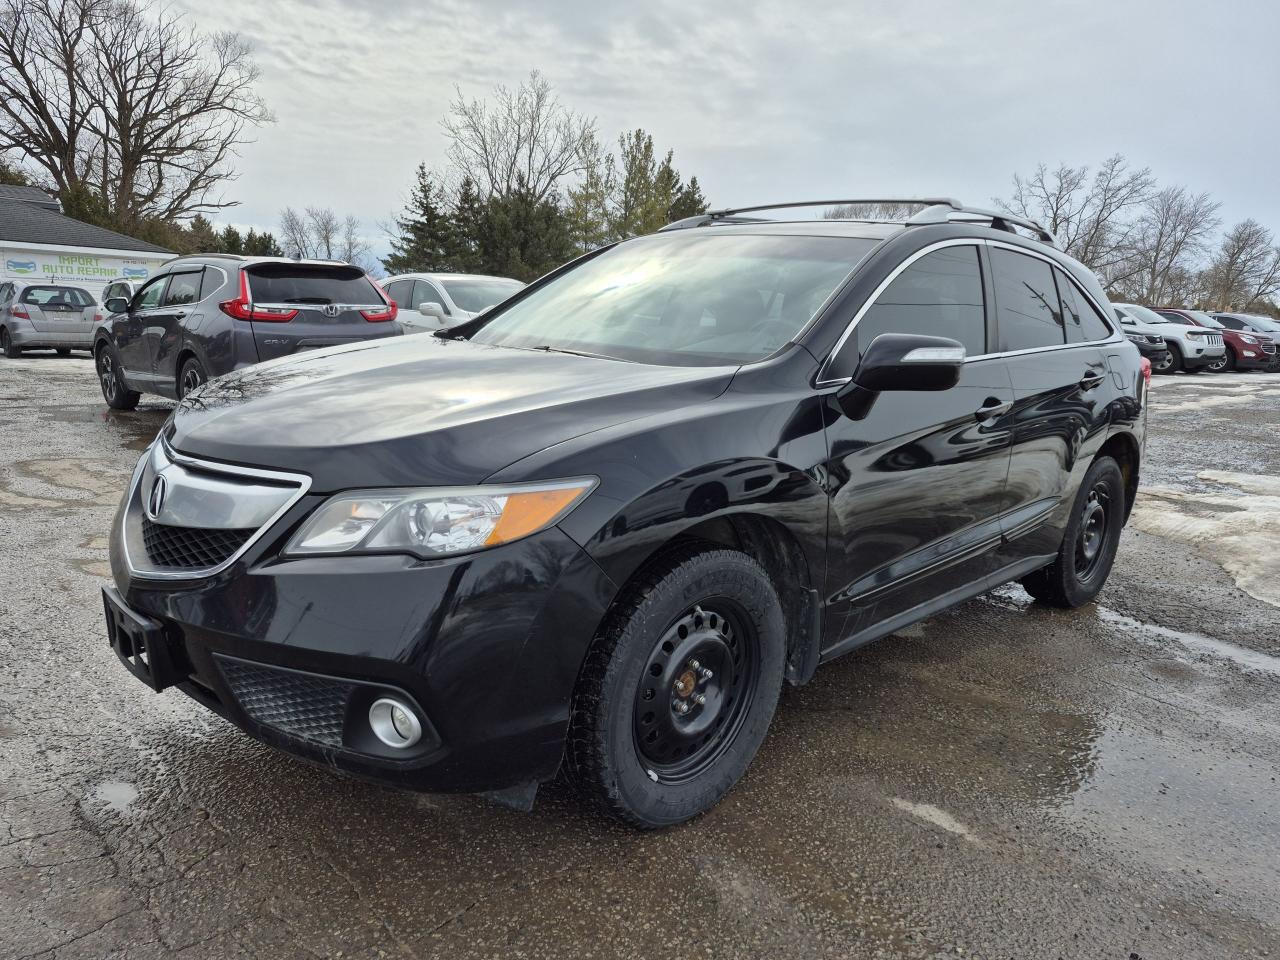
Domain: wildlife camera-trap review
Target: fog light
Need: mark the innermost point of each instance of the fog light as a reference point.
(394, 723)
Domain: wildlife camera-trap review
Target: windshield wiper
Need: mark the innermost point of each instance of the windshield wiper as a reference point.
(547, 348)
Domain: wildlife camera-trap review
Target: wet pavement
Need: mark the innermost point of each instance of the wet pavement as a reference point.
(1003, 780)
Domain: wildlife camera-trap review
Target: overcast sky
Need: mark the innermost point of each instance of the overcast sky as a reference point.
(773, 101)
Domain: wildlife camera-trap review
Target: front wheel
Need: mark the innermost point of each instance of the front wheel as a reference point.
(679, 687)
(111, 378)
(1168, 362)
(1089, 545)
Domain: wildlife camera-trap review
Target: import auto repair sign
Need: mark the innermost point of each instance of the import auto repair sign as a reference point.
(91, 271)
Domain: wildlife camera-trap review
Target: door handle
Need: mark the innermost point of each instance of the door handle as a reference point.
(1091, 380)
(993, 408)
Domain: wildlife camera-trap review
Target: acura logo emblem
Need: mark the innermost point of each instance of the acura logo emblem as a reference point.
(330, 310)
(155, 502)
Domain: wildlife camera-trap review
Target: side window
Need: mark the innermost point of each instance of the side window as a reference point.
(1231, 322)
(1027, 305)
(1081, 320)
(5, 290)
(149, 296)
(424, 292)
(940, 295)
(402, 293)
(184, 288)
(212, 280)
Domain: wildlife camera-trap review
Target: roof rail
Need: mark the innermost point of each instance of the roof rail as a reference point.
(947, 212)
(936, 210)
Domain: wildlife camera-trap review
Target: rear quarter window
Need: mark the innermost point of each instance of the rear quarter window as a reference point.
(300, 283)
(1083, 324)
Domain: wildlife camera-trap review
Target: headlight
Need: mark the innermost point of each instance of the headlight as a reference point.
(1136, 337)
(435, 522)
(1248, 339)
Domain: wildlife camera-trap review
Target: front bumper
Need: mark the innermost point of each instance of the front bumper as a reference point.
(487, 646)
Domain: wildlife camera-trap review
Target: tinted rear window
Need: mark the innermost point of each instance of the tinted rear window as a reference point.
(66, 297)
(296, 283)
(1026, 302)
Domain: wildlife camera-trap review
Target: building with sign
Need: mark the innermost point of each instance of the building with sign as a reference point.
(38, 242)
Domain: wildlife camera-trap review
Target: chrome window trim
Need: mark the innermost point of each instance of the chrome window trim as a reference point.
(302, 480)
(959, 242)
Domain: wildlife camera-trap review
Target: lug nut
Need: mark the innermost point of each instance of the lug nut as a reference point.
(682, 707)
(694, 665)
(700, 699)
(706, 674)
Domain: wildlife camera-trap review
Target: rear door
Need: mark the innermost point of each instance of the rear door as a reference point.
(301, 306)
(1062, 388)
(918, 484)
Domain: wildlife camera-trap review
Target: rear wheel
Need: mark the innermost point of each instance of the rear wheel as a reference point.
(7, 346)
(679, 687)
(111, 379)
(191, 376)
(1089, 545)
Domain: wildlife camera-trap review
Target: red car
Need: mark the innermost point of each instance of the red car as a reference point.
(1245, 351)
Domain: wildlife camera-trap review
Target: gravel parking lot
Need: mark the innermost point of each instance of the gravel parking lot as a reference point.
(1001, 781)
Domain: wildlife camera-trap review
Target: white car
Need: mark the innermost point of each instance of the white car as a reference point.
(1190, 348)
(434, 301)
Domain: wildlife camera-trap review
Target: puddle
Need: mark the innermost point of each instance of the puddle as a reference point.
(116, 795)
(99, 484)
(1197, 643)
(135, 430)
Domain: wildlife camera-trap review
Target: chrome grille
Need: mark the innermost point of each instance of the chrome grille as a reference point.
(187, 518)
(299, 704)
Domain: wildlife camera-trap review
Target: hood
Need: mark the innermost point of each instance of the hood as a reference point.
(420, 410)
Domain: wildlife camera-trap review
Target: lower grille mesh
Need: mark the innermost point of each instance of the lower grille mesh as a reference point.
(312, 708)
(190, 548)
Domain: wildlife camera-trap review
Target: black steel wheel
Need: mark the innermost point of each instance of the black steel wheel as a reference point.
(678, 689)
(114, 389)
(191, 376)
(1089, 543)
(691, 700)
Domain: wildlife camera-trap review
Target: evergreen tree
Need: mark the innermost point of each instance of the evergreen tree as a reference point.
(689, 202)
(201, 236)
(587, 202)
(523, 237)
(467, 223)
(423, 241)
(230, 240)
(11, 175)
(261, 245)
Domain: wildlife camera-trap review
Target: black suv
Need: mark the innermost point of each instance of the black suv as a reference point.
(600, 525)
(203, 316)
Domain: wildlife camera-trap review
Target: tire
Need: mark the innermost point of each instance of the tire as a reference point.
(699, 622)
(1169, 364)
(191, 376)
(1088, 550)
(7, 346)
(1229, 361)
(111, 379)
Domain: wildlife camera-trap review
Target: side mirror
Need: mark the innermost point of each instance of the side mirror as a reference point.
(431, 309)
(116, 305)
(901, 361)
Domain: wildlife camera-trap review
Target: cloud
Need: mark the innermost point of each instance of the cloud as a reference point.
(769, 101)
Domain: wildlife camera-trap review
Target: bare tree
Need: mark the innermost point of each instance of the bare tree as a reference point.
(1090, 214)
(121, 102)
(524, 140)
(1245, 269)
(320, 234)
(1168, 239)
(872, 211)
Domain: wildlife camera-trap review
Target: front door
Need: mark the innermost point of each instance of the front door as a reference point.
(918, 485)
(166, 324)
(1062, 385)
(128, 331)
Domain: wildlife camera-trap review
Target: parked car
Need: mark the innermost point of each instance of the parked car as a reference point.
(433, 301)
(1244, 351)
(603, 522)
(124, 287)
(1253, 324)
(44, 315)
(1190, 348)
(203, 316)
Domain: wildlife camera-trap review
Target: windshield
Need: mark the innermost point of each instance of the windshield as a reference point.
(474, 294)
(1144, 314)
(1264, 323)
(691, 299)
